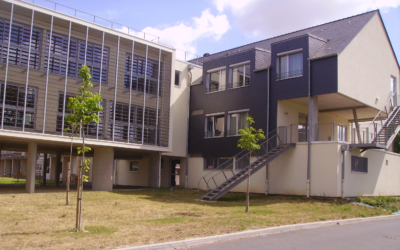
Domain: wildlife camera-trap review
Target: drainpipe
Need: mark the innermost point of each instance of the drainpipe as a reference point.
(267, 167)
(188, 116)
(309, 130)
(344, 149)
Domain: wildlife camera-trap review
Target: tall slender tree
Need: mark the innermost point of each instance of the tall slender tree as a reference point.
(85, 106)
(249, 141)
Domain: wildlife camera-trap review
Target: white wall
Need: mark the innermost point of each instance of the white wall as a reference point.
(125, 177)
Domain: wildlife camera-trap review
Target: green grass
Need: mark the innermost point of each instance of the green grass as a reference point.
(11, 180)
(131, 218)
(387, 202)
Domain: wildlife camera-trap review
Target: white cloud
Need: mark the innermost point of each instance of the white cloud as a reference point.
(184, 36)
(267, 18)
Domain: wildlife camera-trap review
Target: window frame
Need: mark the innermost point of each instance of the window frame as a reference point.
(232, 68)
(221, 87)
(287, 55)
(17, 108)
(229, 120)
(132, 168)
(206, 125)
(216, 162)
(354, 164)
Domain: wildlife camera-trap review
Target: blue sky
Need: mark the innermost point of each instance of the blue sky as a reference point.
(214, 25)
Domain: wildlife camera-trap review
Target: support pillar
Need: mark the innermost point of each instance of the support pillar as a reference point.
(154, 169)
(357, 126)
(53, 167)
(58, 169)
(313, 117)
(31, 167)
(103, 162)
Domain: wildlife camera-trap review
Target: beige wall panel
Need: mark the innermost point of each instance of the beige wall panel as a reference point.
(381, 179)
(288, 173)
(139, 178)
(325, 169)
(368, 61)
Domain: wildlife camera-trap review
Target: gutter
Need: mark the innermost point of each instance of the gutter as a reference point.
(309, 130)
(188, 117)
(268, 113)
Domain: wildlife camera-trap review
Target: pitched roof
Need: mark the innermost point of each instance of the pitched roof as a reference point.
(336, 35)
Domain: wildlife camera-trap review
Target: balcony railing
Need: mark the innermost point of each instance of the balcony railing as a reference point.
(285, 75)
(325, 132)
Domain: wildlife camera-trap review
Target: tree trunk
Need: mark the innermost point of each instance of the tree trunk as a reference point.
(248, 187)
(69, 167)
(80, 185)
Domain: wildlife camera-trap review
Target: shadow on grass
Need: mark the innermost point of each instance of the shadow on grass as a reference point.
(190, 196)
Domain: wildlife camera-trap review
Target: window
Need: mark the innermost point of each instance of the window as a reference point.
(214, 126)
(289, 65)
(239, 75)
(14, 106)
(243, 162)
(393, 91)
(58, 57)
(302, 127)
(134, 166)
(216, 80)
(19, 47)
(213, 163)
(359, 164)
(136, 123)
(237, 121)
(137, 68)
(177, 78)
(90, 129)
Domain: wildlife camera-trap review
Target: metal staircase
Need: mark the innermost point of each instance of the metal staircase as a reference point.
(223, 178)
(389, 129)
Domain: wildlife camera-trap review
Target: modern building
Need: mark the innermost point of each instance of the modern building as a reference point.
(42, 51)
(326, 96)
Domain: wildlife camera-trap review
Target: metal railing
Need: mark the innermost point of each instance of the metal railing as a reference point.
(276, 138)
(285, 75)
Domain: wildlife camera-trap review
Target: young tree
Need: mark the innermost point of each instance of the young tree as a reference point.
(249, 141)
(73, 127)
(85, 106)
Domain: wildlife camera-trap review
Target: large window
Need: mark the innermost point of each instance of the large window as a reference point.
(239, 75)
(213, 163)
(14, 106)
(216, 80)
(19, 47)
(359, 164)
(289, 65)
(90, 128)
(58, 57)
(236, 121)
(138, 67)
(214, 125)
(136, 123)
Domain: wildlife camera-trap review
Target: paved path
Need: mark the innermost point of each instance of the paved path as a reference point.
(382, 234)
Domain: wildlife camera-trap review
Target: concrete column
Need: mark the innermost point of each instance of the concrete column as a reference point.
(31, 167)
(65, 162)
(103, 162)
(44, 170)
(58, 169)
(154, 169)
(53, 167)
(313, 118)
(91, 171)
(74, 165)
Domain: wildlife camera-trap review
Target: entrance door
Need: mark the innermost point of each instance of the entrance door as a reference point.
(175, 172)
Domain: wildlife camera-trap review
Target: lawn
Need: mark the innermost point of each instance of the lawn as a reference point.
(12, 180)
(131, 218)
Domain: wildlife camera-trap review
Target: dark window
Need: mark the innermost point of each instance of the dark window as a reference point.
(58, 57)
(239, 76)
(134, 166)
(243, 162)
(359, 164)
(288, 66)
(215, 126)
(177, 78)
(14, 105)
(137, 69)
(19, 46)
(222, 163)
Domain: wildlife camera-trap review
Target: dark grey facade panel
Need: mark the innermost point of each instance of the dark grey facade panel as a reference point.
(324, 76)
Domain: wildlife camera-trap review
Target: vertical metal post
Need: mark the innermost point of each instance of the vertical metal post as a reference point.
(158, 93)
(115, 92)
(27, 71)
(130, 91)
(47, 75)
(144, 92)
(101, 76)
(66, 79)
(86, 42)
(7, 58)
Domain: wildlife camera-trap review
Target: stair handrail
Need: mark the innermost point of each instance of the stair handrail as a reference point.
(227, 165)
(390, 102)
